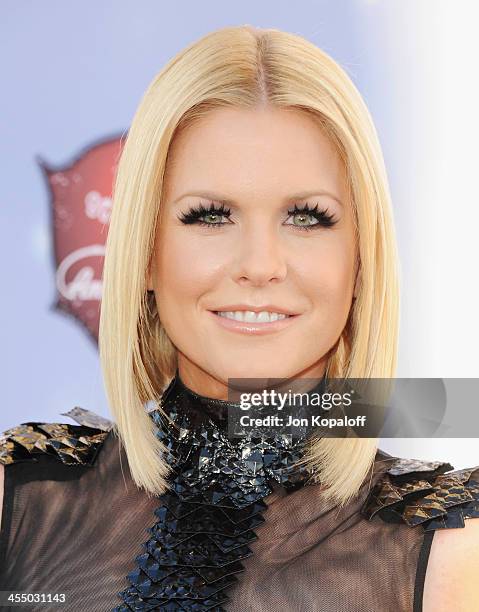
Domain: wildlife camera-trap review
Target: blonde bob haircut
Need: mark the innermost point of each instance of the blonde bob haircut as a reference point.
(247, 67)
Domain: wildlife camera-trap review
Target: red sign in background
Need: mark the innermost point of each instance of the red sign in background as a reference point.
(80, 207)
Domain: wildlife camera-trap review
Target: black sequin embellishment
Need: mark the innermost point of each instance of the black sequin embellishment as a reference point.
(426, 493)
(72, 444)
(205, 524)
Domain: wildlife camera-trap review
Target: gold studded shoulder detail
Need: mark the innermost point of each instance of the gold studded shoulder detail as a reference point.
(71, 444)
(425, 493)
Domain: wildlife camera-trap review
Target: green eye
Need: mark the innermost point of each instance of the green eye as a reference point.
(304, 219)
(212, 218)
(310, 218)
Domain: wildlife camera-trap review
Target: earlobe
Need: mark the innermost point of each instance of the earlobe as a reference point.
(149, 284)
(357, 283)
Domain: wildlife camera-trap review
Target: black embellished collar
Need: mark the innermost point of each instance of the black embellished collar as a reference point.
(207, 519)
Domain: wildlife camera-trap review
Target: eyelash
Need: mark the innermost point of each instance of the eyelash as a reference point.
(194, 214)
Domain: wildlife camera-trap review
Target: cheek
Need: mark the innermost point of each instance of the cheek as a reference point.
(186, 269)
(327, 276)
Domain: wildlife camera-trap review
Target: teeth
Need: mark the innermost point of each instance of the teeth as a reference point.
(249, 316)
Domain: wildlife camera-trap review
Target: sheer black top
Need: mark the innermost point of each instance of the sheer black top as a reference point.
(74, 523)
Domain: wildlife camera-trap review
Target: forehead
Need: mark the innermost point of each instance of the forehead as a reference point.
(258, 150)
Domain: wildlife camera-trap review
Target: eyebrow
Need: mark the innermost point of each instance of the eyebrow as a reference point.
(210, 195)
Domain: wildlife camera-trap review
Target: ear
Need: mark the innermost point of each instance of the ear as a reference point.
(357, 282)
(149, 276)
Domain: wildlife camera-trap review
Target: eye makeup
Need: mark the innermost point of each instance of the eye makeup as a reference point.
(322, 216)
(197, 215)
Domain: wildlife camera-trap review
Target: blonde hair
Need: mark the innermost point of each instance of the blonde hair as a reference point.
(249, 67)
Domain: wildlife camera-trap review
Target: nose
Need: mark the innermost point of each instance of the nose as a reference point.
(261, 257)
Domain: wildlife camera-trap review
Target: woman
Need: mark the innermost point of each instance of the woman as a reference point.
(251, 236)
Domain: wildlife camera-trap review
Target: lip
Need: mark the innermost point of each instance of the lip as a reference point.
(244, 327)
(267, 307)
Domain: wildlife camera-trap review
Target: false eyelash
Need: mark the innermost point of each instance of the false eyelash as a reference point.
(324, 218)
(196, 212)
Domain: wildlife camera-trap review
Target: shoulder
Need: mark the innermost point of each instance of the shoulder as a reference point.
(39, 446)
(427, 494)
(2, 479)
(70, 444)
(452, 570)
(444, 503)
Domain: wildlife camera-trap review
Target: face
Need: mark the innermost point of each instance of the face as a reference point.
(255, 219)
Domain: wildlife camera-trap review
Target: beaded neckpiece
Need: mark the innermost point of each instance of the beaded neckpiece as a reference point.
(207, 520)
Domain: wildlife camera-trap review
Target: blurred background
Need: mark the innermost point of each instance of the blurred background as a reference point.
(73, 74)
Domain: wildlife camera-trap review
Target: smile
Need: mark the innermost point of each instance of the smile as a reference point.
(252, 317)
(252, 322)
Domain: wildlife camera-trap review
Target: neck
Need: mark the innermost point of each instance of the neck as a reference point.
(196, 435)
(192, 411)
(205, 384)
